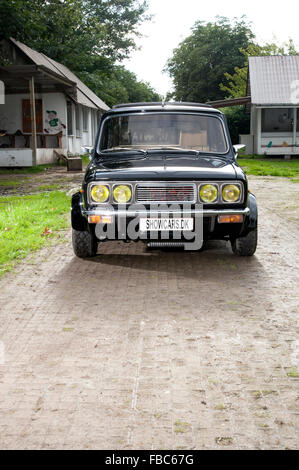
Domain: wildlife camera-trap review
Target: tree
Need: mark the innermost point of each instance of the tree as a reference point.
(74, 31)
(200, 61)
(115, 85)
(236, 83)
(88, 36)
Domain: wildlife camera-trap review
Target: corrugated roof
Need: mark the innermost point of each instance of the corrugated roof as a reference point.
(271, 79)
(85, 96)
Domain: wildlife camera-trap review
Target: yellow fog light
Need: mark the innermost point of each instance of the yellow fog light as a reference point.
(99, 193)
(208, 193)
(231, 193)
(122, 194)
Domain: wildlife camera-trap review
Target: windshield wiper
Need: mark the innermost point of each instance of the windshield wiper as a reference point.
(123, 149)
(175, 149)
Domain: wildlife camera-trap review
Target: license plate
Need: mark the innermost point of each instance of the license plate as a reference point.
(166, 225)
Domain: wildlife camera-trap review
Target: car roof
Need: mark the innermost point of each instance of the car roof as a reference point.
(163, 106)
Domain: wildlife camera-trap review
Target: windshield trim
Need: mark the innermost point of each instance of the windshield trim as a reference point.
(105, 151)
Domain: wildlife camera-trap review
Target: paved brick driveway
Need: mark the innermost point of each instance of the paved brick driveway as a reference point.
(139, 349)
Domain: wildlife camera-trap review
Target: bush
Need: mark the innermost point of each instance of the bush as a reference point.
(238, 121)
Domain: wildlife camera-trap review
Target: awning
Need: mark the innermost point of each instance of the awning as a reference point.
(230, 102)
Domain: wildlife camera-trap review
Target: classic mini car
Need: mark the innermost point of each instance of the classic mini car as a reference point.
(165, 174)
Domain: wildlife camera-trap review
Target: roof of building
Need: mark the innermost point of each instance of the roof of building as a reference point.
(85, 96)
(273, 79)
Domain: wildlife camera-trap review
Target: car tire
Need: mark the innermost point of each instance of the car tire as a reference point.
(85, 244)
(245, 246)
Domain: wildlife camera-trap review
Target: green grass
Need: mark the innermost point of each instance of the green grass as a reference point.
(85, 159)
(180, 427)
(7, 183)
(266, 166)
(48, 187)
(23, 220)
(29, 170)
(294, 373)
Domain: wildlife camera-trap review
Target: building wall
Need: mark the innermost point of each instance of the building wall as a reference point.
(15, 157)
(44, 156)
(83, 130)
(11, 114)
(272, 143)
(83, 133)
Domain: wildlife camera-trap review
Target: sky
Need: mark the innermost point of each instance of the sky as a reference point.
(173, 19)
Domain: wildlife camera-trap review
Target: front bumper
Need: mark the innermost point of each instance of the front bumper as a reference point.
(206, 222)
(145, 213)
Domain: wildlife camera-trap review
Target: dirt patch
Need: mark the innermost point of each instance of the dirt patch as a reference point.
(56, 178)
(153, 350)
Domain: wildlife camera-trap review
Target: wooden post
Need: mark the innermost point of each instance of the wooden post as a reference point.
(33, 120)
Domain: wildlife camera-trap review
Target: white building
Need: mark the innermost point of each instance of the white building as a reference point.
(66, 113)
(273, 85)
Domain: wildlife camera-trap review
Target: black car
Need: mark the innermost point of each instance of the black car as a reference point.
(165, 174)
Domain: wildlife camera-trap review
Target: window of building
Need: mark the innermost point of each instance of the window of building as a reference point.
(78, 130)
(70, 118)
(277, 120)
(85, 119)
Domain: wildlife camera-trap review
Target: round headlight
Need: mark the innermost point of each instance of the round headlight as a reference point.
(99, 193)
(122, 194)
(208, 193)
(230, 193)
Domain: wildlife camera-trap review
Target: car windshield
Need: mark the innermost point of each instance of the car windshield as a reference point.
(197, 132)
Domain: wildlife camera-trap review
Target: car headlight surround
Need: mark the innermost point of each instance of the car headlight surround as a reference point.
(122, 193)
(99, 193)
(208, 193)
(231, 193)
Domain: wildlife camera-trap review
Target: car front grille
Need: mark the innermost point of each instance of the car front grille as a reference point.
(165, 192)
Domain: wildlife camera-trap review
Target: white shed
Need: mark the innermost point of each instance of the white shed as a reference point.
(66, 112)
(273, 84)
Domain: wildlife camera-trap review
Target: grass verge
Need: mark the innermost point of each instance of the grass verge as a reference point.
(39, 168)
(265, 166)
(29, 170)
(29, 222)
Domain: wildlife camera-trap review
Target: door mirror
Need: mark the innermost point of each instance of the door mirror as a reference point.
(88, 151)
(237, 149)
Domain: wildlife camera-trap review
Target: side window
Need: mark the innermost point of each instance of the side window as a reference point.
(70, 119)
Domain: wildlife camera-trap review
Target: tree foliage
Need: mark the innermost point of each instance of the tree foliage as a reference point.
(88, 36)
(119, 85)
(200, 61)
(72, 29)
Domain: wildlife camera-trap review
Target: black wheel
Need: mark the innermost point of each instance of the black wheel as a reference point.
(245, 246)
(85, 244)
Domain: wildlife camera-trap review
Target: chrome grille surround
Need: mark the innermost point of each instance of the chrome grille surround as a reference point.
(166, 193)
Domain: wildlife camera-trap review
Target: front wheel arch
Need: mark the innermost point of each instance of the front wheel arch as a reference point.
(79, 222)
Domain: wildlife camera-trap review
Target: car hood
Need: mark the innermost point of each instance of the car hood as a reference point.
(162, 168)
